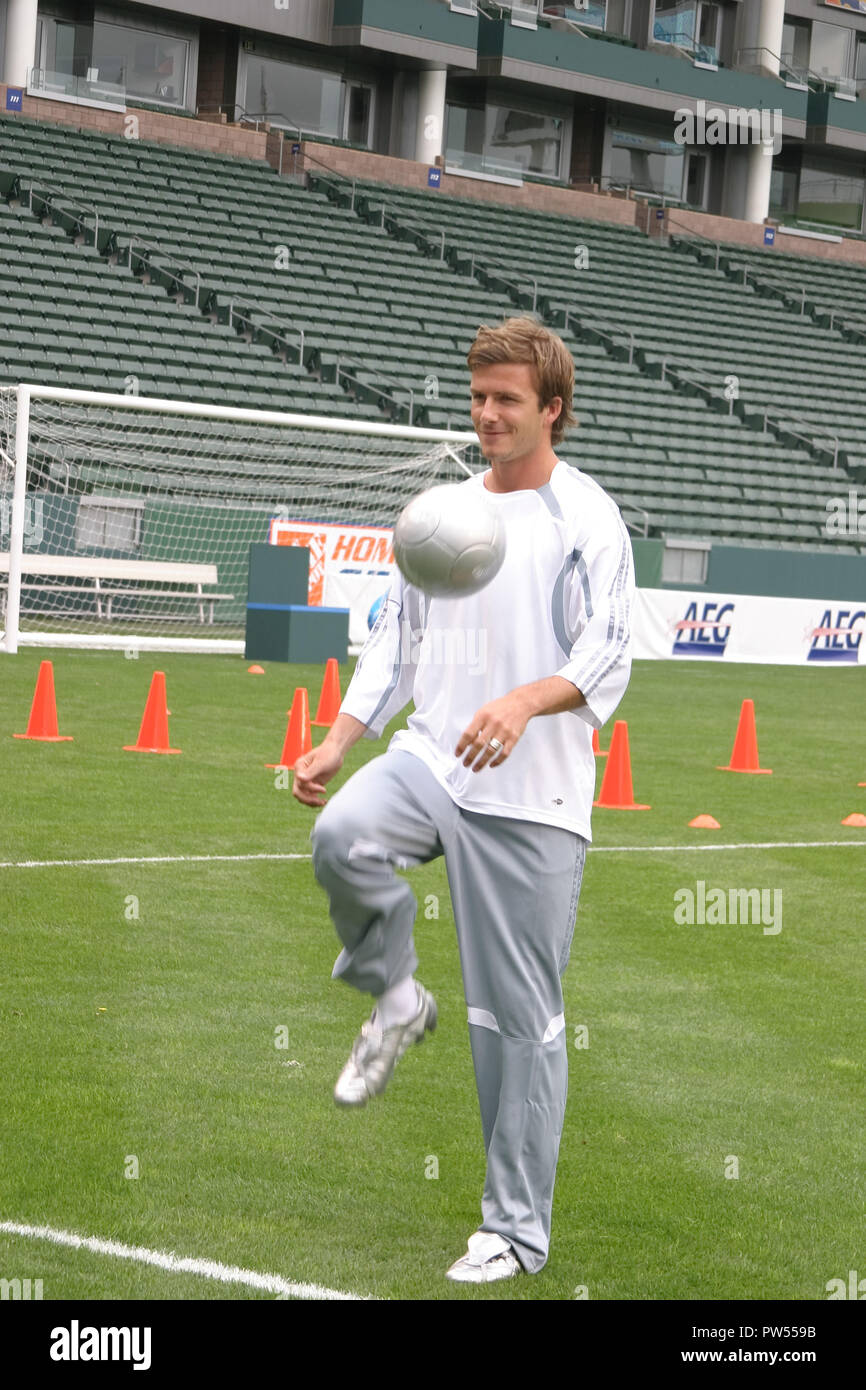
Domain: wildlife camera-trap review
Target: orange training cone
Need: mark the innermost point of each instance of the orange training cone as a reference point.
(616, 788)
(330, 698)
(704, 823)
(744, 758)
(42, 724)
(596, 746)
(299, 739)
(153, 734)
(855, 819)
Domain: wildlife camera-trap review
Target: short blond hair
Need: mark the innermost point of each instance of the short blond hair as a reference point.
(525, 340)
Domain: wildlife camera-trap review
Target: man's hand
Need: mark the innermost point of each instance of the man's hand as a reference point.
(504, 720)
(312, 771)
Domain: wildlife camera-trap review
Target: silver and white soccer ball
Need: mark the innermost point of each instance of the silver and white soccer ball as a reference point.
(448, 541)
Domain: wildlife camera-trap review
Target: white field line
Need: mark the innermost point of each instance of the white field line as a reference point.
(206, 1269)
(148, 859)
(250, 858)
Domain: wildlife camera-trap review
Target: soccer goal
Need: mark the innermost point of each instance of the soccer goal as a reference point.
(126, 521)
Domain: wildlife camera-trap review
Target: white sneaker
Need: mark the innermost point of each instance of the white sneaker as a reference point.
(376, 1051)
(488, 1258)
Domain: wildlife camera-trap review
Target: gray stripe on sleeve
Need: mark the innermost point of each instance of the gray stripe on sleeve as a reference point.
(611, 652)
(557, 598)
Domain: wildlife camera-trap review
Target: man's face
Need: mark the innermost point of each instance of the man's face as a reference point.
(506, 413)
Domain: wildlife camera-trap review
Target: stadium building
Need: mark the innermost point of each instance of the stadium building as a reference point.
(577, 95)
(310, 206)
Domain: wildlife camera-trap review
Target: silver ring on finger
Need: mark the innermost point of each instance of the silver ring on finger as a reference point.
(495, 745)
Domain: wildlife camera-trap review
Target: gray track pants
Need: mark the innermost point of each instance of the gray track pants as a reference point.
(514, 889)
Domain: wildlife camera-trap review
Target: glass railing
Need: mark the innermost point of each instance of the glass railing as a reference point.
(473, 163)
(523, 12)
(62, 86)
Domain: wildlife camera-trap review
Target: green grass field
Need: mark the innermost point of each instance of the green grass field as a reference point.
(141, 1003)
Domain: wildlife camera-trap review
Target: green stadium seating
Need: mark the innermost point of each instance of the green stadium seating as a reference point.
(388, 311)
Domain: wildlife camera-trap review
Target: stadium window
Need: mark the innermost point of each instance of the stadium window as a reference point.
(63, 47)
(675, 22)
(709, 28)
(692, 25)
(464, 136)
(62, 60)
(795, 45)
(830, 52)
(524, 13)
(685, 562)
(646, 162)
(503, 139)
(358, 109)
(103, 524)
(151, 66)
(592, 14)
(860, 66)
(783, 192)
(833, 194)
(107, 61)
(305, 99)
(524, 140)
(696, 180)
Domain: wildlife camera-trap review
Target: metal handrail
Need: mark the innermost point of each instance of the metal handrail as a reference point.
(609, 331)
(633, 191)
(782, 291)
(258, 117)
(55, 193)
(633, 507)
(692, 231)
(339, 178)
(486, 269)
(388, 397)
(247, 319)
(150, 262)
(781, 422)
(689, 373)
(806, 75)
(571, 25)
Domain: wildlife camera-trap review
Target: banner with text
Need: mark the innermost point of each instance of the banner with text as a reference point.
(672, 624)
(350, 566)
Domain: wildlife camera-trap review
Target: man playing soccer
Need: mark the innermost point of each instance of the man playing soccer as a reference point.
(495, 771)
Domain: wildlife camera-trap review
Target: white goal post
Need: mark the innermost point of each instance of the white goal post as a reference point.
(126, 521)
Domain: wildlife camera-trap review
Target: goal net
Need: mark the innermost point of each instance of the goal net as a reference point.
(127, 522)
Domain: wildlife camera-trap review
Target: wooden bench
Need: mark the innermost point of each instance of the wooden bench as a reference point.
(106, 580)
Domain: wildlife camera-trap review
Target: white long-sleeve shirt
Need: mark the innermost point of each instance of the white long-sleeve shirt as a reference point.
(559, 606)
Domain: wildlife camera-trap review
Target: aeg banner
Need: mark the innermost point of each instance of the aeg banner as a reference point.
(672, 624)
(350, 566)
